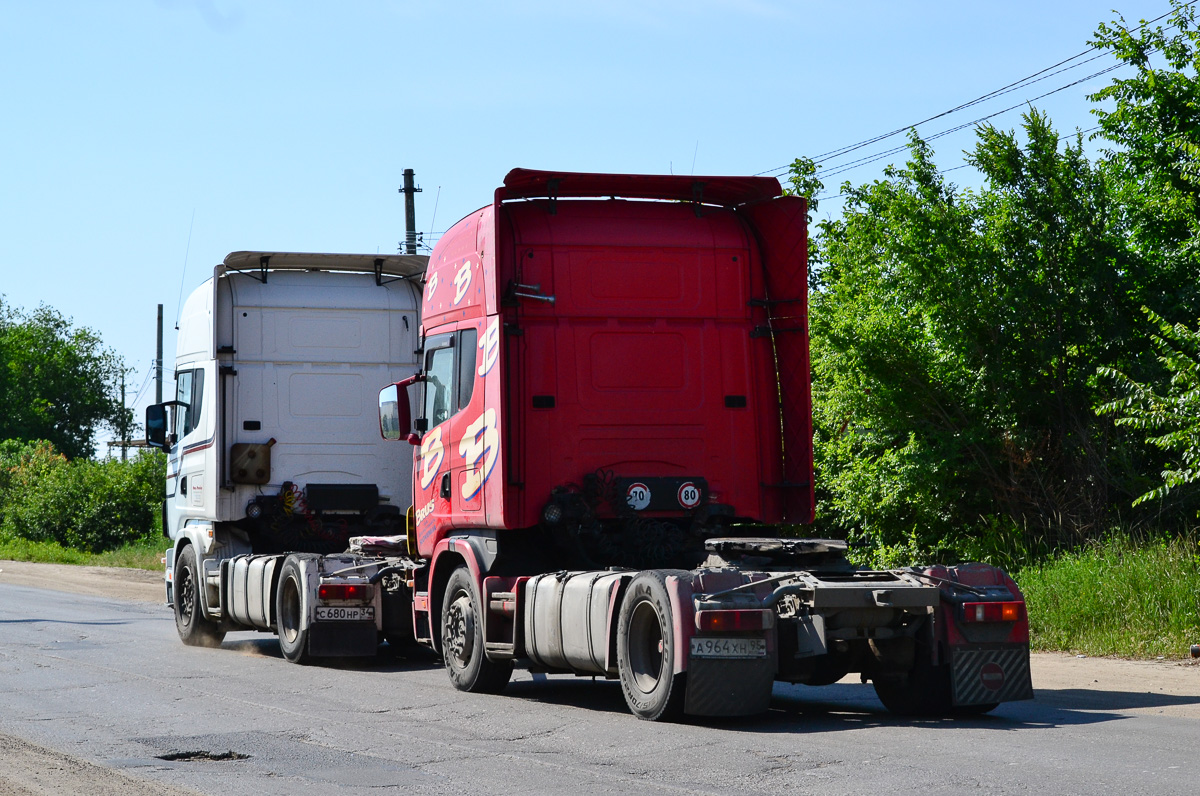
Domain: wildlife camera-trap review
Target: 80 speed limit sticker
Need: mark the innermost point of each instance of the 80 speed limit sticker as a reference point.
(688, 495)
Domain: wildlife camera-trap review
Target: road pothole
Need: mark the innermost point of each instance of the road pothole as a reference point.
(203, 757)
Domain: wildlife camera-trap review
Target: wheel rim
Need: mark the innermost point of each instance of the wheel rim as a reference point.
(459, 635)
(187, 595)
(289, 610)
(645, 647)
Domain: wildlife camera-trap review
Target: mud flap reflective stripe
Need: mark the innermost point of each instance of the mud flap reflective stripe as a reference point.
(983, 675)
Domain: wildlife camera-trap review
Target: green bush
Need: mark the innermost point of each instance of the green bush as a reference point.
(83, 504)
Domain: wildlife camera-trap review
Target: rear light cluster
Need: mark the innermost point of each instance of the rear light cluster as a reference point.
(735, 619)
(994, 612)
(343, 591)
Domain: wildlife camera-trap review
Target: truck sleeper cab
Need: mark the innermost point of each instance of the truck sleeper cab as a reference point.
(271, 442)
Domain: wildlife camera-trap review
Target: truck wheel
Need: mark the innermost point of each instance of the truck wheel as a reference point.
(289, 612)
(646, 649)
(462, 639)
(925, 692)
(195, 629)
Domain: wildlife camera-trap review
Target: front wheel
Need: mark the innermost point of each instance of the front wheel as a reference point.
(646, 649)
(462, 639)
(195, 629)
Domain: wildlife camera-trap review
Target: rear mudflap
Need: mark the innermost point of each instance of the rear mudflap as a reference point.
(984, 674)
(342, 639)
(728, 687)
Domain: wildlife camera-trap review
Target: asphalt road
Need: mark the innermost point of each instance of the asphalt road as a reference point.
(97, 695)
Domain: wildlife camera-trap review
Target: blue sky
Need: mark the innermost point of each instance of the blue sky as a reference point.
(128, 126)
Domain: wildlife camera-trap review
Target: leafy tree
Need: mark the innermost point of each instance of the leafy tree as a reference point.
(956, 336)
(1154, 121)
(1173, 417)
(57, 382)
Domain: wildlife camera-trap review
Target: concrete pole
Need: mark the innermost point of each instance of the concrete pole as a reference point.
(158, 365)
(410, 212)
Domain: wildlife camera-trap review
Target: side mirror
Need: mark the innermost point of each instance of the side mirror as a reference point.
(156, 427)
(395, 417)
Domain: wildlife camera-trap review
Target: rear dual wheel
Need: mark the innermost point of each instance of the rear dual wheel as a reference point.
(646, 649)
(290, 612)
(926, 691)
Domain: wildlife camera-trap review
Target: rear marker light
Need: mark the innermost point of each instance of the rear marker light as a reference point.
(994, 612)
(343, 591)
(735, 619)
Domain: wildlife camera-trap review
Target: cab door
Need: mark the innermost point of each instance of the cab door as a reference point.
(447, 479)
(193, 446)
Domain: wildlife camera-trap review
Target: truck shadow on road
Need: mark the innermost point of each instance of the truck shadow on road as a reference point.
(585, 693)
(851, 706)
(388, 658)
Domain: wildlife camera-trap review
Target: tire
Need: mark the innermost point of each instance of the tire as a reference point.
(462, 639)
(195, 629)
(646, 649)
(290, 614)
(926, 691)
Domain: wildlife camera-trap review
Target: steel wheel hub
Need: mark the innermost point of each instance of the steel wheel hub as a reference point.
(460, 630)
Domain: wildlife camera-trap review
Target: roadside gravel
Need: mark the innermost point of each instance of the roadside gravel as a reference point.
(27, 769)
(137, 585)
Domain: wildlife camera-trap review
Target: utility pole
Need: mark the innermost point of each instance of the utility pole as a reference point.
(158, 362)
(410, 212)
(124, 421)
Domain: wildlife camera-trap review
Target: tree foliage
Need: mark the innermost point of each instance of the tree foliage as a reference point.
(1172, 417)
(81, 504)
(57, 382)
(1152, 120)
(956, 338)
(962, 339)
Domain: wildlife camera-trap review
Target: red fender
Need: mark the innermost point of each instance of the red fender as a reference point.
(444, 561)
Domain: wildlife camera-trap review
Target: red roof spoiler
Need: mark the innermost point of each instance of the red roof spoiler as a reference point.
(724, 191)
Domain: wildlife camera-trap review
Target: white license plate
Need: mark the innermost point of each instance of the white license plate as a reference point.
(342, 613)
(729, 647)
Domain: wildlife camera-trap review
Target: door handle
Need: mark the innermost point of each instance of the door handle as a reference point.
(445, 489)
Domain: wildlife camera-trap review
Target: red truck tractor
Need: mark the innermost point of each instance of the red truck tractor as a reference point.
(612, 431)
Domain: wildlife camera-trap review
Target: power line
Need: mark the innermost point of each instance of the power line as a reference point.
(183, 276)
(952, 168)
(872, 158)
(1015, 86)
(145, 383)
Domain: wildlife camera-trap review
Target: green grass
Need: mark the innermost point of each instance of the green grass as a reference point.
(140, 555)
(1117, 598)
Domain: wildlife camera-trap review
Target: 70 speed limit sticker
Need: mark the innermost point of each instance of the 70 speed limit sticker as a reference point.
(688, 495)
(637, 496)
